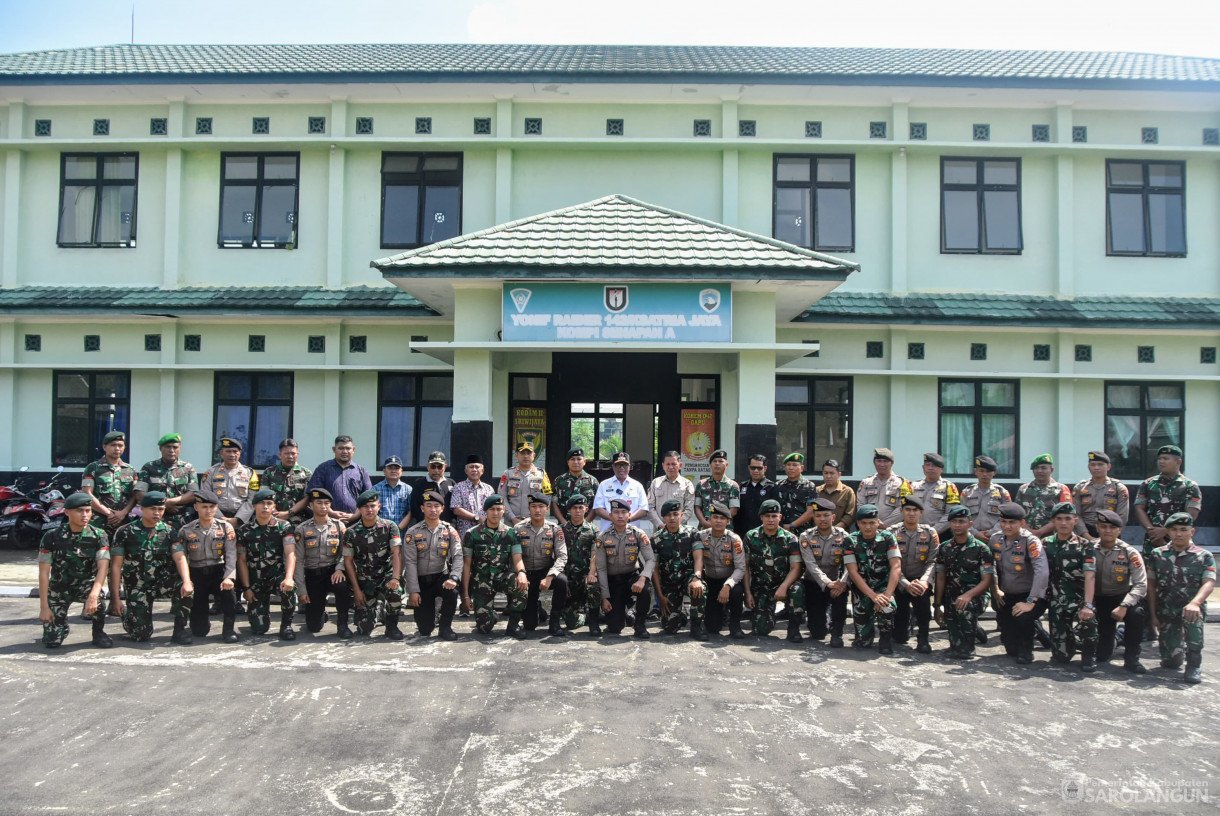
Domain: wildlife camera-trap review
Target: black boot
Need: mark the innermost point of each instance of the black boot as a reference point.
(227, 634)
(344, 632)
(735, 628)
(1194, 668)
(514, 627)
(885, 644)
(595, 627)
(836, 640)
(1131, 661)
(287, 632)
(1088, 658)
(182, 635)
(1172, 662)
(641, 627)
(696, 628)
(922, 646)
(1040, 635)
(100, 639)
(447, 633)
(794, 628)
(555, 627)
(392, 632)
(980, 637)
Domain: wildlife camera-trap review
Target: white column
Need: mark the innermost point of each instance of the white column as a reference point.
(8, 393)
(730, 190)
(334, 219)
(898, 218)
(12, 197)
(504, 161)
(144, 437)
(172, 254)
(754, 322)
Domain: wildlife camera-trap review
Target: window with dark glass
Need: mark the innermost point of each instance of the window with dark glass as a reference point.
(1145, 208)
(258, 199)
(814, 417)
(1141, 417)
(86, 406)
(978, 417)
(980, 206)
(255, 409)
(97, 199)
(421, 198)
(414, 415)
(815, 201)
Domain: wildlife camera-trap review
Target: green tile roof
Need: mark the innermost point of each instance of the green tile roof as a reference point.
(603, 63)
(261, 300)
(983, 309)
(616, 233)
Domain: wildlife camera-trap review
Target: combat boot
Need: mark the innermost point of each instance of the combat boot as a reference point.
(641, 627)
(836, 640)
(980, 637)
(100, 639)
(794, 629)
(365, 625)
(1088, 658)
(227, 634)
(514, 627)
(182, 635)
(392, 632)
(595, 627)
(447, 633)
(885, 644)
(287, 632)
(922, 646)
(735, 628)
(1041, 636)
(555, 627)
(344, 632)
(1194, 668)
(697, 631)
(1172, 662)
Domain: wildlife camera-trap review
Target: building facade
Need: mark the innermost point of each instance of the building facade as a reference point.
(1002, 252)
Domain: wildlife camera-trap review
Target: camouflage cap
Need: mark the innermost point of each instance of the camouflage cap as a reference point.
(153, 498)
(769, 506)
(78, 500)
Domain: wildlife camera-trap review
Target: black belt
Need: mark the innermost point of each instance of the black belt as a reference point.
(313, 572)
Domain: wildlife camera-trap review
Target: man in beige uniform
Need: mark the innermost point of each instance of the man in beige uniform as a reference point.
(885, 489)
(822, 549)
(320, 567)
(1099, 492)
(983, 498)
(1115, 585)
(519, 482)
(844, 497)
(432, 566)
(232, 482)
(210, 545)
(720, 560)
(625, 562)
(544, 554)
(919, 544)
(673, 485)
(936, 493)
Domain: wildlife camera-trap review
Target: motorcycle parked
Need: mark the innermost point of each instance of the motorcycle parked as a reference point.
(24, 517)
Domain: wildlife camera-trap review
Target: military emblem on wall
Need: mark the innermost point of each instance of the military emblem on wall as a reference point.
(616, 298)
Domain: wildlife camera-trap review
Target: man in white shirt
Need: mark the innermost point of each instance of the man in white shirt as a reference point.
(620, 486)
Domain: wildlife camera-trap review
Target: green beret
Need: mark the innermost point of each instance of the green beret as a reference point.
(114, 436)
(959, 511)
(671, 506)
(866, 511)
(263, 494)
(153, 498)
(1063, 509)
(1180, 520)
(1043, 459)
(1172, 450)
(720, 509)
(494, 499)
(579, 498)
(78, 500)
(794, 457)
(367, 497)
(168, 438)
(769, 506)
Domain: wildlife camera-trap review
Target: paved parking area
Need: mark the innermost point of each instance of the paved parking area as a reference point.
(616, 726)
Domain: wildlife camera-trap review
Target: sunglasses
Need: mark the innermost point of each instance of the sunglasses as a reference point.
(757, 467)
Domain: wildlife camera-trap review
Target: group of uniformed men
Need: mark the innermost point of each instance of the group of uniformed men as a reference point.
(919, 550)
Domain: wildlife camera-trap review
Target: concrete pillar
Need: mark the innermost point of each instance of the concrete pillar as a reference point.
(476, 317)
(504, 185)
(755, 431)
(1065, 261)
(8, 393)
(730, 190)
(334, 219)
(898, 217)
(171, 252)
(12, 197)
(144, 436)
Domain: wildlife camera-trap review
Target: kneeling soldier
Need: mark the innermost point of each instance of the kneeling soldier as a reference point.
(965, 568)
(140, 560)
(822, 549)
(266, 563)
(544, 554)
(581, 537)
(320, 564)
(1021, 573)
(489, 567)
(1069, 557)
(774, 574)
(874, 564)
(432, 563)
(1115, 584)
(1183, 575)
(72, 565)
(674, 578)
(919, 543)
(372, 559)
(720, 562)
(210, 545)
(625, 563)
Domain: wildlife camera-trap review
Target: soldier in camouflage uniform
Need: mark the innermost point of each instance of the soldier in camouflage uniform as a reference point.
(72, 564)
(575, 482)
(288, 481)
(1039, 496)
(1182, 576)
(584, 594)
(964, 571)
(774, 557)
(110, 481)
(716, 488)
(489, 569)
(1067, 555)
(874, 564)
(173, 477)
(795, 495)
(372, 559)
(674, 577)
(266, 566)
(141, 560)
(1163, 495)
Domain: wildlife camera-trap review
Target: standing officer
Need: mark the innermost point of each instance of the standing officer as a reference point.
(572, 483)
(581, 537)
(141, 561)
(288, 480)
(110, 482)
(1039, 496)
(544, 553)
(673, 544)
(1183, 576)
(884, 490)
(620, 486)
(919, 544)
(753, 494)
(266, 562)
(373, 561)
(176, 479)
(1166, 494)
(795, 495)
(1068, 556)
(983, 498)
(774, 574)
(874, 564)
(965, 568)
(1021, 571)
(72, 564)
(210, 545)
(720, 563)
(467, 497)
(717, 487)
(320, 568)
(823, 547)
(935, 493)
(232, 482)
(489, 567)
(671, 485)
(1115, 584)
(844, 497)
(1099, 492)
(625, 563)
(518, 483)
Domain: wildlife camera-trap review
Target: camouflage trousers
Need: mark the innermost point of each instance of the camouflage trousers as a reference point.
(1179, 636)
(762, 617)
(673, 592)
(163, 584)
(961, 624)
(1069, 634)
(483, 595)
(266, 588)
(582, 599)
(867, 620)
(380, 603)
(61, 595)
